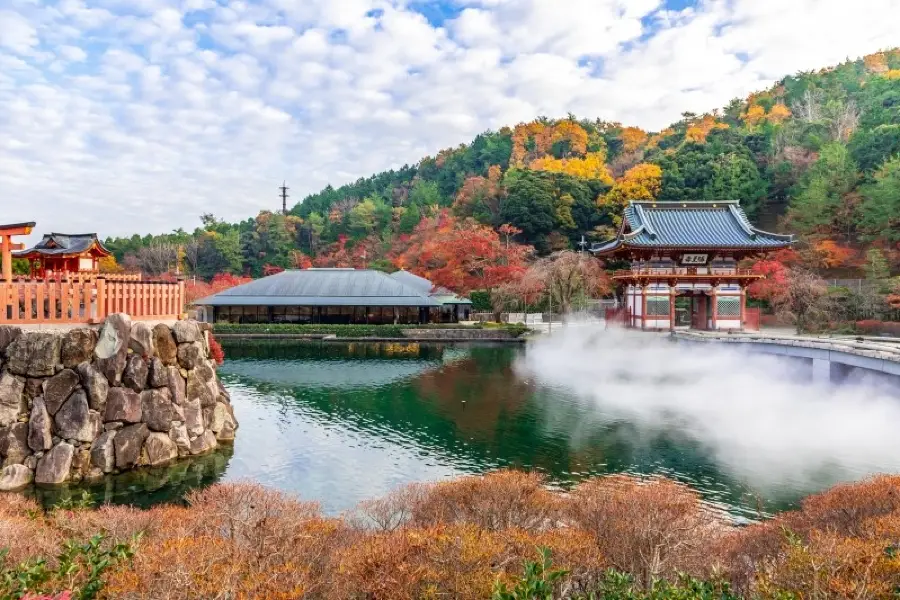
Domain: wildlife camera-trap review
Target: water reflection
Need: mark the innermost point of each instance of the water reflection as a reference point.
(144, 487)
(342, 422)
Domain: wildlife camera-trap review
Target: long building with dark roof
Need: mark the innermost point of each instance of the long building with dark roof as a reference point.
(326, 296)
(684, 263)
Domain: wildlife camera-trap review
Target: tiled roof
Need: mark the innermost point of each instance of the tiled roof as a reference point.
(321, 287)
(690, 225)
(54, 244)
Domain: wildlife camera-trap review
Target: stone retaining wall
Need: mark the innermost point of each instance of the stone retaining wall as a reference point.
(458, 334)
(83, 403)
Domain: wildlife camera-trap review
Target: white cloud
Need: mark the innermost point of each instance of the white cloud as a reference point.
(128, 116)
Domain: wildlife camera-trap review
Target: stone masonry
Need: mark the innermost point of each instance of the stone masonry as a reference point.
(83, 403)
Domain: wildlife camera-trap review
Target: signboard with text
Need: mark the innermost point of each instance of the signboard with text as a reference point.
(694, 259)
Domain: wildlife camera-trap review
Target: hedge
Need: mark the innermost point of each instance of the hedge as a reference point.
(352, 331)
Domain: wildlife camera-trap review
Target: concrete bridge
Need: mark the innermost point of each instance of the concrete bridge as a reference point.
(831, 358)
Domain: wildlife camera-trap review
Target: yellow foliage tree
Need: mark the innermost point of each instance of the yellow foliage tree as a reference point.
(778, 114)
(755, 113)
(633, 138)
(533, 141)
(592, 166)
(641, 182)
(892, 74)
(699, 130)
(108, 264)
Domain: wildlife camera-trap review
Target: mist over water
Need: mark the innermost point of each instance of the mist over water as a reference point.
(760, 417)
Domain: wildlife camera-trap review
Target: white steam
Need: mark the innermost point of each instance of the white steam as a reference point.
(759, 416)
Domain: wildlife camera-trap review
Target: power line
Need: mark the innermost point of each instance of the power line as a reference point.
(284, 196)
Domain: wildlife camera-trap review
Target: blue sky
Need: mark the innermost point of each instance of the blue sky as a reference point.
(123, 116)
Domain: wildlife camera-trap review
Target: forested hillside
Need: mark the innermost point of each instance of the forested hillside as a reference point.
(817, 155)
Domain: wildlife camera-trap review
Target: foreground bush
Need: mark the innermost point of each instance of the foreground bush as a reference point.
(503, 536)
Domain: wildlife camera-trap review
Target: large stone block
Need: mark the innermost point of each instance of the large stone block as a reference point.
(135, 374)
(186, 332)
(190, 355)
(177, 385)
(14, 443)
(112, 347)
(96, 386)
(204, 443)
(164, 342)
(159, 449)
(12, 398)
(77, 347)
(103, 451)
(179, 435)
(141, 342)
(34, 354)
(198, 389)
(156, 406)
(123, 404)
(54, 466)
(15, 477)
(75, 421)
(159, 374)
(58, 388)
(128, 443)
(8, 333)
(39, 433)
(193, 417)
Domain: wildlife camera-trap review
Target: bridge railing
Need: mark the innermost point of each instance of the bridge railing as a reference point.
(83, 302)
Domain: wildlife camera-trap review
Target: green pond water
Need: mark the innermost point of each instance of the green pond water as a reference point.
(341, 422)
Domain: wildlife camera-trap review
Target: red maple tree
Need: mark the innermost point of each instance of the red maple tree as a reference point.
(460, 254)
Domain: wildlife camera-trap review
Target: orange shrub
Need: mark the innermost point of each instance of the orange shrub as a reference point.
(650, 528)
(496, 501)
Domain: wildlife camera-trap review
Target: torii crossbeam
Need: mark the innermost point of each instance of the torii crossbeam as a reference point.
(7, 246)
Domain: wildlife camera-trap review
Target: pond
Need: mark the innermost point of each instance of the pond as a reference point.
(342, 422)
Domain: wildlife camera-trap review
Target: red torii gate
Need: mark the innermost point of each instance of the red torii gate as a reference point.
(7, 246)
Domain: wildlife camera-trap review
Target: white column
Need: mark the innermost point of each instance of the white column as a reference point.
(821, 370)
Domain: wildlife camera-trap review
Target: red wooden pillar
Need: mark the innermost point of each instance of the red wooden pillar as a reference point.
(672, 294)
(715, 308)
(644, 289)
(743, 306)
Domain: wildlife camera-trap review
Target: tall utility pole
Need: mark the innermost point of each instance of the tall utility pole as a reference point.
(284, 196)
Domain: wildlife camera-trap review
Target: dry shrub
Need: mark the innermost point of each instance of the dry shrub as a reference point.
(236, 541)
(843, 531)
(117, 524)
(24, 532)
(391, 511)
(832, 566)
(460, 561)
(496, 501)
(453, 561)
(652, 528)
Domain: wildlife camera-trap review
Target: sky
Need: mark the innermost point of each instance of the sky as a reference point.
(138, 116)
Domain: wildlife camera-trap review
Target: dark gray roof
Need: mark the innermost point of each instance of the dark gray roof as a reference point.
(441, 294)
(321, 287)
(414, 281)
(65, 243)
(690, 225)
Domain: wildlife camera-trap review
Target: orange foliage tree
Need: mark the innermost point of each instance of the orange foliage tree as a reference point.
(481, 196)
(460, 254)
(194, 289)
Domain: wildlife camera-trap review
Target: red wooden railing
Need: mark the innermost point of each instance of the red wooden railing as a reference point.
(38, 302)
(685, 272)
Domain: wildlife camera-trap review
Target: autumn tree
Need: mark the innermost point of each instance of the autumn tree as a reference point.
(481, 197)
(803, 300)
(641, 182)
(461, 254)
(567, 277)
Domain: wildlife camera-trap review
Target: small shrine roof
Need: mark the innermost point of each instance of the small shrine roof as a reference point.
(65, 244)
(689, 225)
